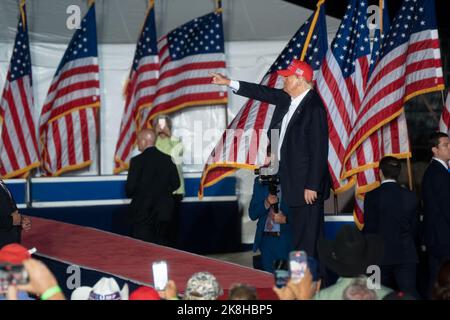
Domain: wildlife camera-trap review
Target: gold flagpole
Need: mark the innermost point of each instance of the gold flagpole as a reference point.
(218, 5)
(22, 12)
(311, 29)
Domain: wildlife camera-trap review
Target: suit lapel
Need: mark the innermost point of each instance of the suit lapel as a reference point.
(277, 118)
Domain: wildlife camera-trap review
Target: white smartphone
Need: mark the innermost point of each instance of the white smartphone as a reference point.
(160, 275)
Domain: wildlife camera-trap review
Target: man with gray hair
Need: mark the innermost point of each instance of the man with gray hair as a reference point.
(358, 290)
(151, 180)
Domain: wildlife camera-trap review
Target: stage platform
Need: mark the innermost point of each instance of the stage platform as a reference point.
(64, 247)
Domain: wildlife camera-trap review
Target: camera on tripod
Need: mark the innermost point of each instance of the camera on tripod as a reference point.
(266, 176)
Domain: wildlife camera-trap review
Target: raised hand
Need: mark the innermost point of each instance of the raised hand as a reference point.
(220, 79)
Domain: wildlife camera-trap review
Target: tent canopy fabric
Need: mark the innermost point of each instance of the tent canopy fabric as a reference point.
(119, 21)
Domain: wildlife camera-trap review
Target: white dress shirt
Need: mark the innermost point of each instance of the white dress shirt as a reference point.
(442, 162)
(287, 118)
(388, 180)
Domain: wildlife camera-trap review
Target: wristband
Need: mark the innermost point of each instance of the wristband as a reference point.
(50, 292)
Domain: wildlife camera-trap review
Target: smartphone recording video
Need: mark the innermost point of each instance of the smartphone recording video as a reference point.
(162, 123)
(298, 263)
(160, 275)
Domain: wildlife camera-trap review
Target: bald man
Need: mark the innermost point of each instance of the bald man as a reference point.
(152, 178)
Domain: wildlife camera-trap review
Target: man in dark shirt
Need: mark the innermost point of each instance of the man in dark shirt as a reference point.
(152, 178)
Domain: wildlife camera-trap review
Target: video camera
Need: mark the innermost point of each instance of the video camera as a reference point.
(12, 274)
(266, 176)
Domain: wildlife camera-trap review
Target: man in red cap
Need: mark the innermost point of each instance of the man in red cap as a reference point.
(300, 119)
(11, 221)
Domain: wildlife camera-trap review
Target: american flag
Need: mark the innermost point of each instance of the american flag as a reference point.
(18, 147)
(444, 123)
(140, 91)
(342, 82)
(68, 122)
(391, 139)
(409, 65)
(187, 55)
(244, 142)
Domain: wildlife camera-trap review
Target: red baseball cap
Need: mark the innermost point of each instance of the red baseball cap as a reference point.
(14, 253)
(299, 68)
(145, 293)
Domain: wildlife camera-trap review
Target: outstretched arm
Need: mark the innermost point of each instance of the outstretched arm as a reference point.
(255, 91)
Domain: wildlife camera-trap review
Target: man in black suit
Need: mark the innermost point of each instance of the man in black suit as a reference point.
(152, 178)
(436, 200)
(300, 119)
(11, 221)
(391, 212)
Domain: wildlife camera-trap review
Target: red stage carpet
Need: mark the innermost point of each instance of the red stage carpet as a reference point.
(131, 259)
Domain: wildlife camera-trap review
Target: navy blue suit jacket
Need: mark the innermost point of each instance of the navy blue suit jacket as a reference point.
(257, 211)
(304, 152)
(436, 198)
(8, 232)
(391, 211)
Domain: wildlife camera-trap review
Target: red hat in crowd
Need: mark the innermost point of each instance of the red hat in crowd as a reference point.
(145, 293)
(299, 68)
(14, 253)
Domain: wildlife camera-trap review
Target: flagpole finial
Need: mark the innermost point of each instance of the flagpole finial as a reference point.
(219, 6)
(151, 3)
(91, 2)
(22, 12)
(311, 29)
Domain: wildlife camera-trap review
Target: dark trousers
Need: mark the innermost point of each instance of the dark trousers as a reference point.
(141, 231)
(175, 222)
(307, 224)
(151, 231)
(11, 236)
(400, 277)
(273, 248)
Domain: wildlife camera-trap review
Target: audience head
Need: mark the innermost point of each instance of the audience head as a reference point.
(146, 138)
(351, 252)
(440, 146)
(358, 290)
(390, 167)
(241, 291)
(14, 253)
(202, 286)
(441, 290)
(104, 289)
(145, 293)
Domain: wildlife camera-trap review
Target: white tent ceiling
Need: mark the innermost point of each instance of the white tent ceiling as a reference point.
(119, 21)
